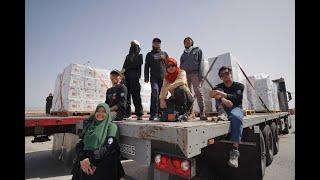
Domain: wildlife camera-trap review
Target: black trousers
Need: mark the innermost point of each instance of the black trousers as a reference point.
(134, 88)
(48, 107)
(181, 101)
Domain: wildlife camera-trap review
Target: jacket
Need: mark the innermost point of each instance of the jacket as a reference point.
(155, 65)
(106, 159)
(193, 61)
(169, 87)
(133, 69)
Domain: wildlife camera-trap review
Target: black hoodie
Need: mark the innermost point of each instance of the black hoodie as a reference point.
(155, 65)
(133, 63)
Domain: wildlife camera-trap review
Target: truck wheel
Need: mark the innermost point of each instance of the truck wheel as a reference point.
(263, 154)
(267, 134)
(275, 133)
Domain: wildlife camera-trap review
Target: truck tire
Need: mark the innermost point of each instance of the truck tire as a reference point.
(275, 133)
(267, 134)
(263, 154)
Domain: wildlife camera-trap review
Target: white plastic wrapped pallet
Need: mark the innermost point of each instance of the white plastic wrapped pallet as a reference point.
(264, 89)
(228, 60)
(80, 88)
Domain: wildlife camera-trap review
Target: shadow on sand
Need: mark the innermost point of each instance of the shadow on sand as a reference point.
(41, 164)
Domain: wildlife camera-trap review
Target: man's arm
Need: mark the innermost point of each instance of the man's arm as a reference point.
(146, 69)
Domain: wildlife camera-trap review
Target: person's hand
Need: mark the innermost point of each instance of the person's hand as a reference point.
(163, 104)
(92, 169)
(146, 81)
(213, 93)
(85, 165)
(227, 102)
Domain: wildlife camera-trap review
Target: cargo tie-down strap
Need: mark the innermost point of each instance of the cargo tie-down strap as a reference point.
(245, 75)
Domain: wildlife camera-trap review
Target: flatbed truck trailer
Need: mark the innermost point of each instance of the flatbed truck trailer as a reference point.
(178, 150)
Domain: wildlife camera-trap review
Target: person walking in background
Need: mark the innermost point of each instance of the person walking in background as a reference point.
(132, 73)
(191, 61)
(155, 66)
(49, 103)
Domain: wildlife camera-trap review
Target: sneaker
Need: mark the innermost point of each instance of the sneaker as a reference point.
(233, 158)
(154, 118)
(139, 117)
(183, 117)
(213, 119)
(203, 116)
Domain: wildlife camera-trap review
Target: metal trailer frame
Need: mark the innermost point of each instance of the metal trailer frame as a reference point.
(139, 140)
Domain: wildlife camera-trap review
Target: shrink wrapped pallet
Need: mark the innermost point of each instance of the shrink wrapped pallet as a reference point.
(264, 88)
(80, 88)
(230, 61)
(251, 94)
(275, 97)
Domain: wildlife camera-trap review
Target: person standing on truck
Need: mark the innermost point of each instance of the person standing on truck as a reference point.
(228, 96)
(155, 64)
(132, 73)
(98, 151)
(116, 96)
(192, 62)
(49, 103)
(175, 82)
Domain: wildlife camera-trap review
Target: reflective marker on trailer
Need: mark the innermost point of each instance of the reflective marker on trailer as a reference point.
(185, 165)
(173, 165)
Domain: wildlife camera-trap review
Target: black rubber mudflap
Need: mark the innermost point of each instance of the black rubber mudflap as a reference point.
(217, 156)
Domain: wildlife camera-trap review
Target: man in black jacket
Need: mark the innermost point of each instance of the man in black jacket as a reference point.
(155, 64)
(116, 96)
(132, 72)
(49, 103)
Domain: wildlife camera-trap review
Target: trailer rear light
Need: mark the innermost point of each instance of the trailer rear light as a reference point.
(210, 141)
(173, 165)
(185, 165)
(157, 159)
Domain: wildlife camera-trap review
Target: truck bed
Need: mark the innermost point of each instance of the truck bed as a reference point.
(189, 136)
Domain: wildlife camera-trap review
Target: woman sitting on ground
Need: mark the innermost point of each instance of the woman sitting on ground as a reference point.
(98, 152)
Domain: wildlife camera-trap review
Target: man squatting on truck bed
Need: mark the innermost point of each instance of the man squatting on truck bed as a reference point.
(228, 95)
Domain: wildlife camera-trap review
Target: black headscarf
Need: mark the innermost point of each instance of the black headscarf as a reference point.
(134, 51)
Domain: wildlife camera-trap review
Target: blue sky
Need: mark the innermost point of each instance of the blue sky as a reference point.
(260, 33)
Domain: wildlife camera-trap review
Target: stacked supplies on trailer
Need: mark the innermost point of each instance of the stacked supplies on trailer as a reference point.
(266, 89)
(80, 88)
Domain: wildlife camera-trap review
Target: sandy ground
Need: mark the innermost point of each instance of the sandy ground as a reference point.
(39, 163)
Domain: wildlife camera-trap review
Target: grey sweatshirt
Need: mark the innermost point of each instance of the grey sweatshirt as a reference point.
(191, 62)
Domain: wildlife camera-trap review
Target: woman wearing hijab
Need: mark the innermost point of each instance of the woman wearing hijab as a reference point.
(175, 82)
(98, 152)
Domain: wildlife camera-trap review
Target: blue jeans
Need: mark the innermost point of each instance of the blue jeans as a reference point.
(156, 86)
(235, 115)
